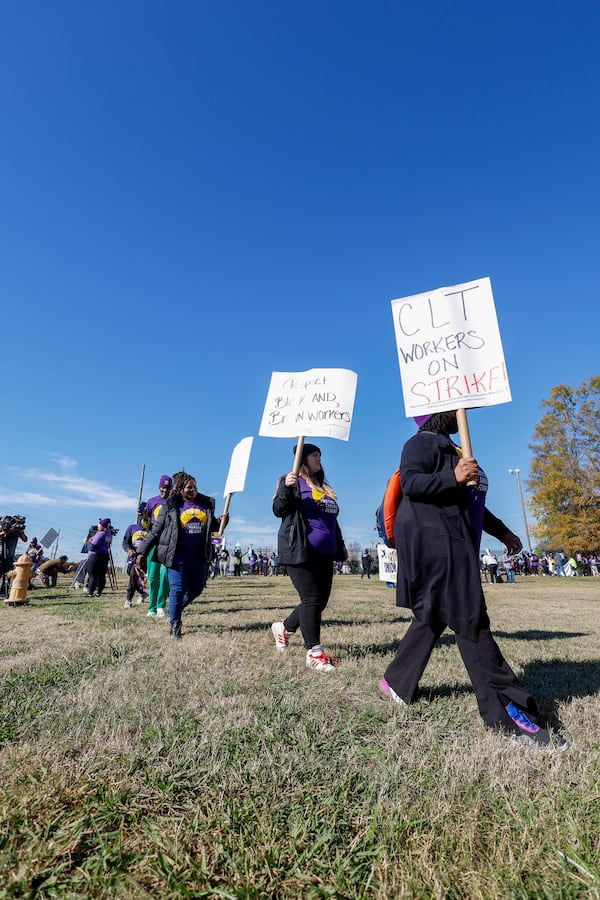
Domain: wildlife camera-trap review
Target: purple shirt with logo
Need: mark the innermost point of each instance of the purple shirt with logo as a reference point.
(153, 506)
(192, 521)
(134, 535)
(320, 514)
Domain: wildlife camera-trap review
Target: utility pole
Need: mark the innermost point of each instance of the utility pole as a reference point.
(517, 474)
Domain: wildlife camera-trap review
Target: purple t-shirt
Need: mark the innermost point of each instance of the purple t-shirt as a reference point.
(134, 535)
(192, 519)
(476, 501)
(476, 505)
(153, 507)
(320, 513)
(100, 542)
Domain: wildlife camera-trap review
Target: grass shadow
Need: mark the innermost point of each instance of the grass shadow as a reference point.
(534, 634)
(560, 679)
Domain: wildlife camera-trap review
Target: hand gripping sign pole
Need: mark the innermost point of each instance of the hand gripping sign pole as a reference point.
(450, 352)
(298, 456)
(464, 437)
(236, 479)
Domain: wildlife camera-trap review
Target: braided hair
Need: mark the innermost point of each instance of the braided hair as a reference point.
(180, 479)
(441, 423)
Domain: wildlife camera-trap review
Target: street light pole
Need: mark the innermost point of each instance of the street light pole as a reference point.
(517, 473)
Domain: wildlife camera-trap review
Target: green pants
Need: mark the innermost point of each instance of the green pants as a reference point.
(158, 583)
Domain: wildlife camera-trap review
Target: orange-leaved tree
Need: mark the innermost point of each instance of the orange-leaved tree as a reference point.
(564, 482)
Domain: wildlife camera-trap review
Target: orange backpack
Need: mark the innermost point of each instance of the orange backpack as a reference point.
(385, 514)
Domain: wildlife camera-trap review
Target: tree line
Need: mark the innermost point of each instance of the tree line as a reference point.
(564, 480)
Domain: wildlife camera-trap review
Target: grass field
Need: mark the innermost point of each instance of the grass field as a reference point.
(132, 765)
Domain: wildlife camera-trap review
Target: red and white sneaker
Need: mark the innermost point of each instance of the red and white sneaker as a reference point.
(281, 635)
(320, 661)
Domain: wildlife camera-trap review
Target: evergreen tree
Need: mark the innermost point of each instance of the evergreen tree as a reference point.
(564, 483)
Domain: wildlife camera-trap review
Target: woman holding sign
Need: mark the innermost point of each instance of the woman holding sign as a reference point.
(182, 534)
(437, 533)
(309, 541)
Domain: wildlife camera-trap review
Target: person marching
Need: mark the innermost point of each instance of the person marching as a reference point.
(158, 578)
(132, 540)
(238, 556)
(309, 541)
(182, 536)
(437, 534)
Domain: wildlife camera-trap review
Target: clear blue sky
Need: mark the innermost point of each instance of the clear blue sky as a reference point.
(196, 194)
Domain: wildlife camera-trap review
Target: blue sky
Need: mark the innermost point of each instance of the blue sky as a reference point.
(196, 194)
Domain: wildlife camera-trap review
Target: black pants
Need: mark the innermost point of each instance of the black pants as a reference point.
(97, 564)
(134, 584)
(493, 680)
(312, 581)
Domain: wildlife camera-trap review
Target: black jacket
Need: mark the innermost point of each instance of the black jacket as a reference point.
(166, 530)
(291, 539)
(438, 554)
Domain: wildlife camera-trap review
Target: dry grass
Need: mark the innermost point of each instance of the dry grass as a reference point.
(135, 766)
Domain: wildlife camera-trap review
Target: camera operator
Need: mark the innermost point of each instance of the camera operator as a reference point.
(98, 557)
(12, 530)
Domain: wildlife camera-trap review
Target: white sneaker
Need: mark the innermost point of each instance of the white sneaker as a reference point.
(139, 601)
(151, 612)
(281, 635)
(128, 604)
(160, 613)
(385, 688)
(320, 661)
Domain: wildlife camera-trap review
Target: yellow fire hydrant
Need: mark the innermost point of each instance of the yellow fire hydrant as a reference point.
(20, 575)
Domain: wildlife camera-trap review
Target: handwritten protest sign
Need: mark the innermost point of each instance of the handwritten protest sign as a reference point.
(317, 403)
(388, 563)
(238, 467)
(449, 349)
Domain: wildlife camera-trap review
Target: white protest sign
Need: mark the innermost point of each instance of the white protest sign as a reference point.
(449, 349)
(388, 563)
(316, 403)
(238, 467)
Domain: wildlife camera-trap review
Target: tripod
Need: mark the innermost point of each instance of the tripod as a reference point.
(112, 576)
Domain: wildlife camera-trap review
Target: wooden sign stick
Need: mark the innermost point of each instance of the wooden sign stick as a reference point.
(137, 514)
(465, 438)
(223, 514)
(298, 456)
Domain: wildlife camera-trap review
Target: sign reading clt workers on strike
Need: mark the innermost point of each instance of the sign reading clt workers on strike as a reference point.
(318, 403)
(449, 349)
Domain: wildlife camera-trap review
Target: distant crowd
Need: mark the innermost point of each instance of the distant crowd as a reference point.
(552, 563)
